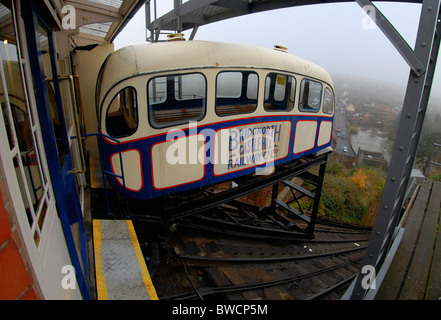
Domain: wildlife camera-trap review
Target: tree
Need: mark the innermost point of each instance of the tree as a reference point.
(359, 178)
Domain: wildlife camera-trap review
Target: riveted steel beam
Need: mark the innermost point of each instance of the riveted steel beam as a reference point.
(408, 135)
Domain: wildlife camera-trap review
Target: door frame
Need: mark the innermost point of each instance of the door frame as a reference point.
(63, 181)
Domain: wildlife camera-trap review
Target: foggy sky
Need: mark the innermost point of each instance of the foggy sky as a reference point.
(339, 37)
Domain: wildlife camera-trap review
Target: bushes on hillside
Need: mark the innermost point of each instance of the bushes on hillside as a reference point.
(349, 194)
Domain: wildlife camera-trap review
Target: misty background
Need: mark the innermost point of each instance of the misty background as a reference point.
(339, 37)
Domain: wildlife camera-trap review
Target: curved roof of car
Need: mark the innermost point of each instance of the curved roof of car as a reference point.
(136, 60)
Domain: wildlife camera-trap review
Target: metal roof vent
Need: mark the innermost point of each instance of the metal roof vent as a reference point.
(175, 37)
(280, 48)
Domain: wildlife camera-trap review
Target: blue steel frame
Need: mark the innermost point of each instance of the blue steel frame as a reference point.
(64, 184)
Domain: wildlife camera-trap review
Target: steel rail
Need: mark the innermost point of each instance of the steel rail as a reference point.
(333, 288)
(341, 224)
(195, 259)
(246, 231)
(341, 231)
(220, 226)
(254, 286)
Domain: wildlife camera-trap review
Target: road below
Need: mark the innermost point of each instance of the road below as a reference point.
(342, 128)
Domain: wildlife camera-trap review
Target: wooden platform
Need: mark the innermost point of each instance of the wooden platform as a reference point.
(415, 272)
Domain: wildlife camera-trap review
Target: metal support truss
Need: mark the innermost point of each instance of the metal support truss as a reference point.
(276, 221)
(408, 135)
(224, 212)
(316, 181)
(247, 185)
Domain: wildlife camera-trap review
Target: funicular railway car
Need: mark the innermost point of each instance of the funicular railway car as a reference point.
(187, 114)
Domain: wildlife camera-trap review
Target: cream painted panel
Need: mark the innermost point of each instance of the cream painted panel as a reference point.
(178, 162)
(131, 160)
(325, 133)
(305, 135)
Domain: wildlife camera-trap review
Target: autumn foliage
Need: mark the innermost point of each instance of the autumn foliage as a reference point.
(351, 194)
(359, 178)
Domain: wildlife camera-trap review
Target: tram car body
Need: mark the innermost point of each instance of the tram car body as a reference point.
(188, 114)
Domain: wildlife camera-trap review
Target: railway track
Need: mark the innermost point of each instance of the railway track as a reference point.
(212, 245)
(207, 265)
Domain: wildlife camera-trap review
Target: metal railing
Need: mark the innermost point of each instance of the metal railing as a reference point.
(106, 173)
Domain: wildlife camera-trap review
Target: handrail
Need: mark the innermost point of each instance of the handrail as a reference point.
(104, 172)
(75, 112)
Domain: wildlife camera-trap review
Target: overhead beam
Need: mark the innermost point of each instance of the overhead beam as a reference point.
(93, 8)
(188, 15)
(234, 5)
(171, 17)
(128, 11)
